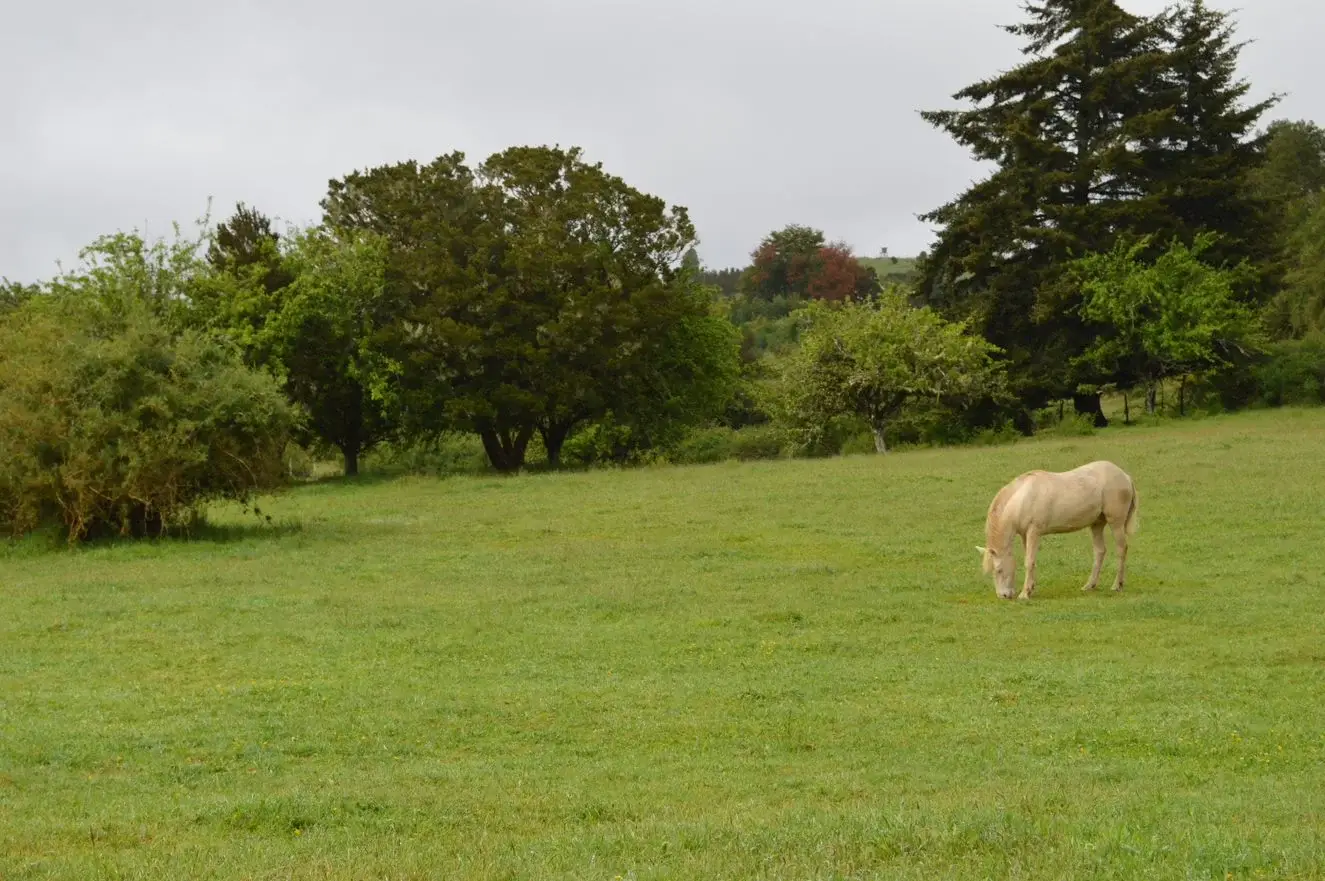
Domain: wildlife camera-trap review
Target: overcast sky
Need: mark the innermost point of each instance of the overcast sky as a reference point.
(752, 113)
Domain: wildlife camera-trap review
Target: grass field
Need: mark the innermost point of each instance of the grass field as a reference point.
(783, 670)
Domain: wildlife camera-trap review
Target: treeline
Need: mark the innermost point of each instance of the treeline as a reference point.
(1138, 229)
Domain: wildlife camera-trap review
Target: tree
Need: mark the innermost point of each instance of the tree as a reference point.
(727, 281)
(116, 421)
(783, 263)
(797, 263)
(1114, 123)
(124, 270)
(1058, 128)
(1209, 146)
(873, 359)
(1169, 317)
(542, 290)
(1300, 308)
(840, 276)
(1294, 166)
(248, 240)
(327, 333)
(690, 261)
(14, 294)
(1289, 187)
(690, 380)
(244, 287)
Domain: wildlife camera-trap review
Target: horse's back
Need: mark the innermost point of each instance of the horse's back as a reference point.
(1109, 475)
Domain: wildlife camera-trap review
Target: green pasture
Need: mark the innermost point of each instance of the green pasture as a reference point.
(776, 670)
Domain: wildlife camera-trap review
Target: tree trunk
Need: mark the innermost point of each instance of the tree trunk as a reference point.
(880, 445)
(554, 438)
(1182, 396)
(351, 453)
(505, 449)
(1127, 410)
(1151, 390)
(1089, 405)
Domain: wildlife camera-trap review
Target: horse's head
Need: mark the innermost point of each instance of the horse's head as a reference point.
(1002, 566)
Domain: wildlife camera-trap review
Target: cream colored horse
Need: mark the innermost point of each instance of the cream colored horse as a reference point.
(1040, 503)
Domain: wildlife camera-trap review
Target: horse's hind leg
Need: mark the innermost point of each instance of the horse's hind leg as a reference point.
(1097, 536)
(1119, 528)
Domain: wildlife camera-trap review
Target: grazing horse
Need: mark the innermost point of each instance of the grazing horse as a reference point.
(1040, 503)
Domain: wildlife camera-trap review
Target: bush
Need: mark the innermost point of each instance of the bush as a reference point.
(110, 424)
(719, 444)
(758, 442)
(1071, 424)
(859, 444)
(1293, 373)
(705, 445)
(299, 462)
(451, 454)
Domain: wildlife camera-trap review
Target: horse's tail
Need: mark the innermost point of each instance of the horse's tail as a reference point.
(1133, 521)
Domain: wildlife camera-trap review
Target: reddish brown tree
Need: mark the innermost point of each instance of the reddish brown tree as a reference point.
(798, 262)
(840, 276)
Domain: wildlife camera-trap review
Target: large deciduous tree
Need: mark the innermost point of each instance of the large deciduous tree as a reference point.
(543, 291)
(1167, 317)
(872, 359)
(328, 336)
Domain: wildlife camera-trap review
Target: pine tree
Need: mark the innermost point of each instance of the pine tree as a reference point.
(1062, 128)
(1116, 126)
(1210, 147)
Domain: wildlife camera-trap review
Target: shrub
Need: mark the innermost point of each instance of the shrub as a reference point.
(451, 454)
(111, 424)
(705, 445)
(758, 442)
(859, 443)
(1293, 373)
(1071, 425)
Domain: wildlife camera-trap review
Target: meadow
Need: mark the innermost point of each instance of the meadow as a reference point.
(774, 670)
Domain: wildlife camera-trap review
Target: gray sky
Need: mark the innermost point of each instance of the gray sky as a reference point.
(752, 113)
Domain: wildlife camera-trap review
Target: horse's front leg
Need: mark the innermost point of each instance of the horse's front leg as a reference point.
(1032, 548)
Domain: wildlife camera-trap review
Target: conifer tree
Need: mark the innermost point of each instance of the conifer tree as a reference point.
(1210, 146)
(1061, 128)
(1115, 126)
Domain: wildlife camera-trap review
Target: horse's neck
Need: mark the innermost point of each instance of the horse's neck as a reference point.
(1003, 535)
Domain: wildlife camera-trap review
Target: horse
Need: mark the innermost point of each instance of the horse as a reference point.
(1039, 503)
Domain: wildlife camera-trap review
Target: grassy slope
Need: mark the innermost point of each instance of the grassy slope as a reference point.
(886, 269)
(776, 670)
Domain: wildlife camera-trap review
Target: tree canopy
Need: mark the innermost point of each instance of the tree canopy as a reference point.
(117, 420)
(1161, 318)
(1115, 122)
(797, 262)
(542, 291)
(872, 359)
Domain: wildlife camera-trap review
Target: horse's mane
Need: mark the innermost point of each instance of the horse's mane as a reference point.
(995, 525)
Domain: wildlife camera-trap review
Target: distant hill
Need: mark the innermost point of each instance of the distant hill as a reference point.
(896, 269)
